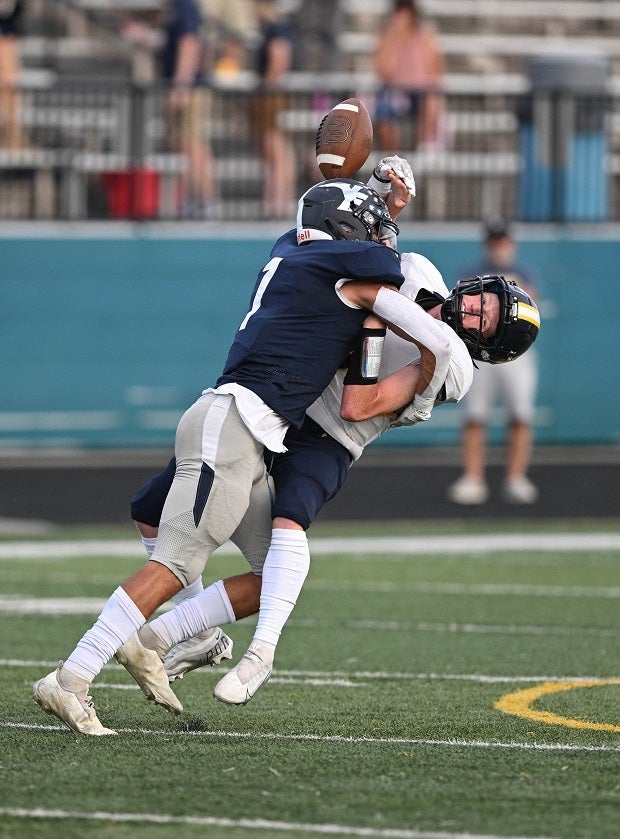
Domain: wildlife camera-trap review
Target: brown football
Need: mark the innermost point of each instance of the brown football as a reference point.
(344, 139)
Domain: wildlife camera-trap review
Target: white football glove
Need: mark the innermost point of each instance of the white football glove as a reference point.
(380, 182)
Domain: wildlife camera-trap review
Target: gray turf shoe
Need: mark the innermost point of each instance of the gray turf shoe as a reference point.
(239, 685)
(147, 668)
(75, 710)
(204, 649)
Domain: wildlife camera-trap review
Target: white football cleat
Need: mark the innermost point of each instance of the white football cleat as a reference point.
(147, 668)
(78, 712)
(239, 685)
(204, 649)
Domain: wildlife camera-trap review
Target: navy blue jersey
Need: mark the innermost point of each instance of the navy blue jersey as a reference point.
(298, 331)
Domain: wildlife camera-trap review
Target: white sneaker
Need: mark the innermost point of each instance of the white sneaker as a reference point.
(78, 712)
(241, 683)
(204, 649)
(520, 491)
(147, 668)
(468, 491)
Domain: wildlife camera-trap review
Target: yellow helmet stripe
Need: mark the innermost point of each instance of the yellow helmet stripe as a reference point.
(529, 313)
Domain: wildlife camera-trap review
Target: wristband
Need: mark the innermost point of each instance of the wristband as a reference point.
(365, 358)
(422, 408)
(379, 184)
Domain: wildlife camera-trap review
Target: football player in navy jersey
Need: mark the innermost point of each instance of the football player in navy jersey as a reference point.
(305, 312)
(347, 416)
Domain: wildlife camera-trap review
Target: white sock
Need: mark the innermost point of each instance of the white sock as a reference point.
(118, 621)
(286, 567)
(192, 590)
(211, 607)
(149, 544)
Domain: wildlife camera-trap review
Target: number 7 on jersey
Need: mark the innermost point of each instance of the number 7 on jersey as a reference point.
(268, 271)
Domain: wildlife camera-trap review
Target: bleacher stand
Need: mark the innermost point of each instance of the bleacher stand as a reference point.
(87, 104)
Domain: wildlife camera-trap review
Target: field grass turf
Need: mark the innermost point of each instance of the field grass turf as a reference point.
(379, 721)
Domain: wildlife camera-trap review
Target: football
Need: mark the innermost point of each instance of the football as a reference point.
(344, 139)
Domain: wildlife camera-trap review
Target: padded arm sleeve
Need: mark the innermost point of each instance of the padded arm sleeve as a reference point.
(398, 310)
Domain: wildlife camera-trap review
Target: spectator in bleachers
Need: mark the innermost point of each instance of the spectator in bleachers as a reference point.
(514, 384)
(316, 25)
(188, 104)
(275, 56)
(410, 65)
(232, 32)
(10, 68)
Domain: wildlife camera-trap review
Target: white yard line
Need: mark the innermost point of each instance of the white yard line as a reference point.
(27, 605)
(343, 676)
(415, 545)
(246, 824)
(483, 589)
(453, 627)
(326, 738)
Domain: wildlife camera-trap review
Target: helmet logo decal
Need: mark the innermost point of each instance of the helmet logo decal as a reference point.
(354, 194)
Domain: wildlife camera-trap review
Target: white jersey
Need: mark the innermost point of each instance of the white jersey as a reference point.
(419, 274)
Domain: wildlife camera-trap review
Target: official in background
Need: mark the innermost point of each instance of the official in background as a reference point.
(513, 385)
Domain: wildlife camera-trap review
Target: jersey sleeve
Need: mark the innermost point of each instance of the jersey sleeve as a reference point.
(399, 311)
(420, 273)
(374, 263)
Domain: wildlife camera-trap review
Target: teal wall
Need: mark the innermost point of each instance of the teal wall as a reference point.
(104, 341)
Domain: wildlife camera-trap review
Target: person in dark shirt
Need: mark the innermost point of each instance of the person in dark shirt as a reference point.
(512, 385)
(274, 60)
(187, 108)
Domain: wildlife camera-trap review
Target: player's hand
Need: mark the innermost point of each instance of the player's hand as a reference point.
(398, 197)
(381, 181)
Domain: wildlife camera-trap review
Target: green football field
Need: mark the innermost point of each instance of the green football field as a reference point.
(433, 681)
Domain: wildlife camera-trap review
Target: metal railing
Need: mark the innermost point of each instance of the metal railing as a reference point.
(84, 151)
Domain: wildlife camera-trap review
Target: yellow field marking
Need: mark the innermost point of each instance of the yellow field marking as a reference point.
(519, 704)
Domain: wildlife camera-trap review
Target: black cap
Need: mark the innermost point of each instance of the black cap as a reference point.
(496, 227)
